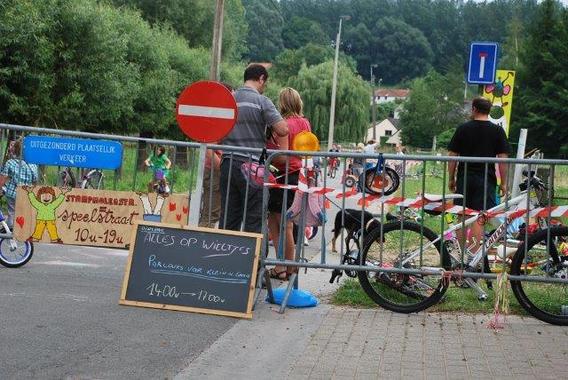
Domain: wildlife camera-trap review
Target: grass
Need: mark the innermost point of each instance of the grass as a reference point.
(456, 299)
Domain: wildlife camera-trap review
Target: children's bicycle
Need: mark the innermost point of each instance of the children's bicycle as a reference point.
(13, 253)
(427, 259)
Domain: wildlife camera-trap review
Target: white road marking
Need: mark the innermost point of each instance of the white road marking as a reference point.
(67, 263)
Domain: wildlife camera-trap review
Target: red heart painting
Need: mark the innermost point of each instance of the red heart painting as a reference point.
(178, 217)
(172, 206)
(20, 220)
(185, 209)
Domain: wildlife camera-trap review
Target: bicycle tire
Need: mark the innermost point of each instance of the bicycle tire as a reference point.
(93, 180)
(12, 259)
(403, 293)
(66, 178)
(545, 301)
(384, 183)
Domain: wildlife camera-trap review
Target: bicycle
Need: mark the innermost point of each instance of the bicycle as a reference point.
(94, 179)
(13, 253)
(424, 260)
(66, 178)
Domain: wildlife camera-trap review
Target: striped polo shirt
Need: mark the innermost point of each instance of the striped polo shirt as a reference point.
(256, 112)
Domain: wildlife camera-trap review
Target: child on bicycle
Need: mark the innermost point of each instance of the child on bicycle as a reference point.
(160, 164)
(14, 173)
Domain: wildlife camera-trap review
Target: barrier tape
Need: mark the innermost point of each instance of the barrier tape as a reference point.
(420, 202)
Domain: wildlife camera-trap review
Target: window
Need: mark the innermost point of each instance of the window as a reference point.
(388, 132)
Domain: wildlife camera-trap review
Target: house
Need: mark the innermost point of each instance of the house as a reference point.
(386, 130)
(384, 95)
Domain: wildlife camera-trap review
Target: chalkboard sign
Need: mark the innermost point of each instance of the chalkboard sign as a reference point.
(201, 270)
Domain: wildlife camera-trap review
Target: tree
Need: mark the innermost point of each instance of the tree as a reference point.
(193, 20)
(264, 40)
(405, 53)
(543, 82)
(289, 62)
(301, 31)
(434, 106)
(352, 102)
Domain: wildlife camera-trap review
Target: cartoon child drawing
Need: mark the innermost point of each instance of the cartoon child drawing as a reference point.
(155, 214)
(45, 203)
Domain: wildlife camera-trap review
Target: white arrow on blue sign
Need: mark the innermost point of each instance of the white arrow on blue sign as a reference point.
(482, 63)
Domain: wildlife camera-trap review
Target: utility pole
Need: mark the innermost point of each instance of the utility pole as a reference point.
(373, 110)
(334, 85)
(214, 72)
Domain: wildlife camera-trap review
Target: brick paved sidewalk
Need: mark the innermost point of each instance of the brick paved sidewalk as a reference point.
(372, 344)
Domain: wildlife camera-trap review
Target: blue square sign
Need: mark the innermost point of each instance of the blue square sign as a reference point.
(482, 63)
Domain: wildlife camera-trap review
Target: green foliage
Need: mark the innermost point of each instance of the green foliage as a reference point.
(352, 102)
(264, 40)
(542, 92)
(193, 20)
(301, 31)
(434, 105)
(90, 66)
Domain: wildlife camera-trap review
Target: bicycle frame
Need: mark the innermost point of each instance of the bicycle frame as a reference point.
(478, 255)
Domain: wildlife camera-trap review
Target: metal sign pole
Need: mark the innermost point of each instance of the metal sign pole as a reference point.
(195, 198)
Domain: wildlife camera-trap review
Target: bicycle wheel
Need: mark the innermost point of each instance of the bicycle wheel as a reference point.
(545, 301)
(93, 180)
(380, 183)
(14, 253)
(410, 247)
(65, 178)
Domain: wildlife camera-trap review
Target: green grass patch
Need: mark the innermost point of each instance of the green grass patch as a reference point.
(456, 299)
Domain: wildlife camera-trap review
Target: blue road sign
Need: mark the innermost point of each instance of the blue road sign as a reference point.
(80, 153)
(482, 63)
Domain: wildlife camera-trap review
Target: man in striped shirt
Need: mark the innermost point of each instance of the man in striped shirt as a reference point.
(255, 113)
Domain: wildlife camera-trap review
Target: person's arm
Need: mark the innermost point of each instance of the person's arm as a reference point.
(503, 174)
(282, 142)
(147, 161)
(280, 129)
(168, 163)
(452, 172)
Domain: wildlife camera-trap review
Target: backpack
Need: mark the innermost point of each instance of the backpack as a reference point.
(314, 214)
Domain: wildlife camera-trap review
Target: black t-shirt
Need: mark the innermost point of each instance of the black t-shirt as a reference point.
(478, 138)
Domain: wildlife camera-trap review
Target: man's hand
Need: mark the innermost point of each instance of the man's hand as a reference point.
(65, 190)
(27, 188)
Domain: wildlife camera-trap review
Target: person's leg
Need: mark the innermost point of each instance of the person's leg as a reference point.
(204, 220)
(52, 231)
(254, 212)
(231, 198)
(39, 228)
(274, 228)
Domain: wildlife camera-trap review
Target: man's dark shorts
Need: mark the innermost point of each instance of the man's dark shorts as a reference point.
(277, 195)
(479, 195)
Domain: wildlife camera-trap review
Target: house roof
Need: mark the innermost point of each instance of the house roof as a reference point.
(395, 122)
(393, 92)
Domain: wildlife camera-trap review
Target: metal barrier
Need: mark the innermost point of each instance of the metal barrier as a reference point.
(420, 176)
(397, 215)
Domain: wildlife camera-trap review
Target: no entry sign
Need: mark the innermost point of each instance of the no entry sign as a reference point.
(206, 111)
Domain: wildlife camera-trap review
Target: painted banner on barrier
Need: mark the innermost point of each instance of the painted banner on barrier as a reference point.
(91, 217)
(79, 153)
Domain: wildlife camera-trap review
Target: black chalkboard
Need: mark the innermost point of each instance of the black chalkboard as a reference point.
(191, 269)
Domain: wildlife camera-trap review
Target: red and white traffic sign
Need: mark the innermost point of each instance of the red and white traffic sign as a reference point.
(206, 111)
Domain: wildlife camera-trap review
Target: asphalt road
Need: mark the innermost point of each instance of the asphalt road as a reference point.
(60, 318)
